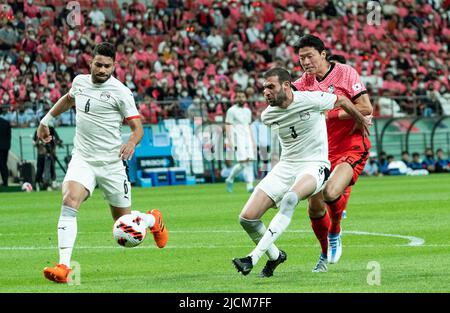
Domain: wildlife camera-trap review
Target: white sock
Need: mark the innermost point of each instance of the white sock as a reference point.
(67, 233)
(255, 230)
(148, 219)
(249, 174)
(234, 172)
(277, 226)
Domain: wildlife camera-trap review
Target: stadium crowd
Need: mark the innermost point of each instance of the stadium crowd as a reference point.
(384, 164)
(188, 58)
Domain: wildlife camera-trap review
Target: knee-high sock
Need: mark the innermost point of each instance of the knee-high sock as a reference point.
(277, 226)
(255, 230)
(148, 219)
(336, 208)
(67, 233)
(320, 227)
(235, 171)
(249, 173)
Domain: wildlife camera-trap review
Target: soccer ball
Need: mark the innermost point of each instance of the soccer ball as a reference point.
(129, 230)
(27, 187)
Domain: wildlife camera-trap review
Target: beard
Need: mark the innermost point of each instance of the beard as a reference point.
(278, 100)
(100, 79)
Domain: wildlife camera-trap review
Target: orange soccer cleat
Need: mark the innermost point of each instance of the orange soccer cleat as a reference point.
(58, 274)
(159, 230)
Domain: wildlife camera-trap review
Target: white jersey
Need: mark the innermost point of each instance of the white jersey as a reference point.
(301, 127)
(100, 110)
(240, 118)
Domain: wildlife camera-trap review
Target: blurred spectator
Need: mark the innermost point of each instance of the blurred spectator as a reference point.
(416, 163)
(441, 165)
(8, 39)
(444, 99)
(406, 56)
(46, 159)
(196, 109)
(215, 39)
(96, 15)
(405, 158)
(5, 145)
(241, 78)
(388, 106)
(429, 162)
(395, 167)
(371, 167)
(150, 110)
(431, 102)
(67, 118)
(22, 119)
(382, 163)
(261, 134)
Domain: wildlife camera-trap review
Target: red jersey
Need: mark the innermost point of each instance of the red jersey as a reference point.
(341, 79)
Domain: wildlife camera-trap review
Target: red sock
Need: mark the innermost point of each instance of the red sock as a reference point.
(320, 227)
(335, 210)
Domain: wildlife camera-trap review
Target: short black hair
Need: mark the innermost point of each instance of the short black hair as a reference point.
(337, 58)
(283, 74)
(310, 41)
(106, 49)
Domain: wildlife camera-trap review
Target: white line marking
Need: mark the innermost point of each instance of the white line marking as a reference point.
(413, 241)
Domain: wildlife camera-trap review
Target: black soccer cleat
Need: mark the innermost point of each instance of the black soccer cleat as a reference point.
(243, 265)
(267, 271)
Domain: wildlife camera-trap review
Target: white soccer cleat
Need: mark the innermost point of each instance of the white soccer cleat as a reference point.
(321, 266)
(334, 248)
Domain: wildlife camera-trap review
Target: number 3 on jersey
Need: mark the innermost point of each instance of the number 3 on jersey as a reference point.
(87, 106)
(293, 132)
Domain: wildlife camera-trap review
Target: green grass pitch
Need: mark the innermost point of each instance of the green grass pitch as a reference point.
(388, 217)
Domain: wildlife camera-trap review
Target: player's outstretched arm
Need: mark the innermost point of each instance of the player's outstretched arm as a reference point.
(363, 105)
(127, 150)
(361, 122)
(62, 105)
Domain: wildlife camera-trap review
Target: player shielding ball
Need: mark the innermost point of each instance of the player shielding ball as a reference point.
(98, 157)
(299, 120)
(348, 145)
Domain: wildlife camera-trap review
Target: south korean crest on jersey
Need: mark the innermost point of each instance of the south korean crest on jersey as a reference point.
(331, 89)
(105, 95)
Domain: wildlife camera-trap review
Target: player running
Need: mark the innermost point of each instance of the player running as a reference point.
(299, 120)
(240, 139)
(98, 156)
(348, 145)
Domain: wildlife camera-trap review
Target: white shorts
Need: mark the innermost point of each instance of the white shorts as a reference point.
(284, 175)
(244, 149)
(112, 178)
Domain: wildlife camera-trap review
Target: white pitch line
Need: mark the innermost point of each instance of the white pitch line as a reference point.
(118, 248)
(413, 241)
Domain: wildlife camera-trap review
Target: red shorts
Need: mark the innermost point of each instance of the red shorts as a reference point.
(356, 159)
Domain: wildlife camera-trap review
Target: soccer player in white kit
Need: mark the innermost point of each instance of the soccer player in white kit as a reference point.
(298, 118)
(98, 157)
(240, 138)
